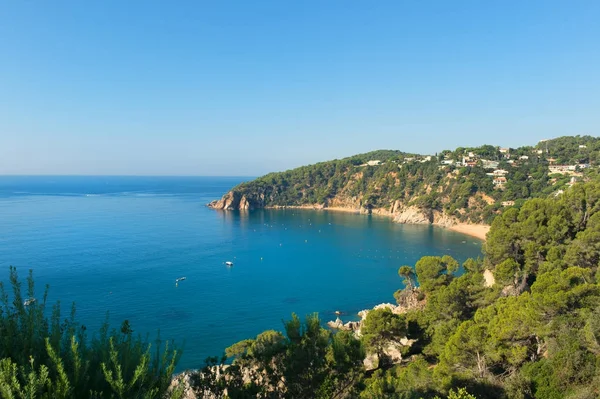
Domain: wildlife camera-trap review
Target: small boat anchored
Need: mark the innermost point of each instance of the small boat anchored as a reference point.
(29, 302)
(180, 279)
(229, 263)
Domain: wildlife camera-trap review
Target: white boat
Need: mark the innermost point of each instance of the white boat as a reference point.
(180, 279)
(228, 263)
(29, 302)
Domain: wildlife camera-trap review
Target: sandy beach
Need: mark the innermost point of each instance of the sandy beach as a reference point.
(474, 230)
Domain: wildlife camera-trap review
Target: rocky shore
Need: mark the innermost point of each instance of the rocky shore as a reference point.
(399, 213)
(394, 349)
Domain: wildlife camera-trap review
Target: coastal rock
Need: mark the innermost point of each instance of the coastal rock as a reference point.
(352, 326)
(395, 206)
(244, 204)
(351, 203)
(443, 220)
(409, 299)
(184, 380)
(337, 324)
(236, 200)
(392, 351)
(363, 313)
(389, 306)
(412, 215)
(229, 201)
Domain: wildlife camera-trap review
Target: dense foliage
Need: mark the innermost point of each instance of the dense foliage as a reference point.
(572, 150)
(440, 184)
(52, 357)
(534, 332)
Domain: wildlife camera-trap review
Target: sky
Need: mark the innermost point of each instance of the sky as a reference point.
(247, 87)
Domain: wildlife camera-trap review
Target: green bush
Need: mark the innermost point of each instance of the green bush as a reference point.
(44, 357)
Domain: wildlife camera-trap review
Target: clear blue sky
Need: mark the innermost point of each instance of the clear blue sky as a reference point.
(247, 87)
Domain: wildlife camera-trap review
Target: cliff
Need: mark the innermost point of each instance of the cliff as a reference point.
(235, 200)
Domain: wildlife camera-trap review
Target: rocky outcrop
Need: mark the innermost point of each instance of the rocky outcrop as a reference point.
(413, 215)
(393, 352)
(229, 201)
(443, 220)
(344, 202)
(337, 324)
(235, 200)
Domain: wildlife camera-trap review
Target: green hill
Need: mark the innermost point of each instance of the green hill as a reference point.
(463, 185)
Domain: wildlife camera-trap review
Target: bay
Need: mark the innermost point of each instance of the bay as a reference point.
(117, 244)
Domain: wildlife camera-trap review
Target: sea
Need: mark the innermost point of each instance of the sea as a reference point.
(116, 245)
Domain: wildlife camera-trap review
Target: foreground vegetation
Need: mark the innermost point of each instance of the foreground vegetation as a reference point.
(52, 357)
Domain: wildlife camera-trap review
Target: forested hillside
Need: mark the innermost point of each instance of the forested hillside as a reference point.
(522, 322)
(464, 185)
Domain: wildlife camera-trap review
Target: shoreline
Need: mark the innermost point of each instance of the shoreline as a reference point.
(474, 230)
(478, 231)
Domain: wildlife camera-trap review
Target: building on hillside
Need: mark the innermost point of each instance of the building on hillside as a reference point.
(490, 164)
(539, 152)
(582, 146)
(562, 169)
(447, 162)
(499, 181)
(374, 162)
(500, 172)
(524, 157)
(505, 152)
(508, 203)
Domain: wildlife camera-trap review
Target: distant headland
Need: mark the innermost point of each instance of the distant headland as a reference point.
(463, 189)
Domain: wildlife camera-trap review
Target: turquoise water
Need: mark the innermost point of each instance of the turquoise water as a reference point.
(117, 244)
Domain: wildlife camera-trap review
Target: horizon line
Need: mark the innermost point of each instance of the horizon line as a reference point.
(114, 175)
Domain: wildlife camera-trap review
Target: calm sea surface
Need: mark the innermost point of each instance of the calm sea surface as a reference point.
(117, 244)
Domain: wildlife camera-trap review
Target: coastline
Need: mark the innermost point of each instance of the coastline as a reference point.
(478, 231)
(474, 230)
